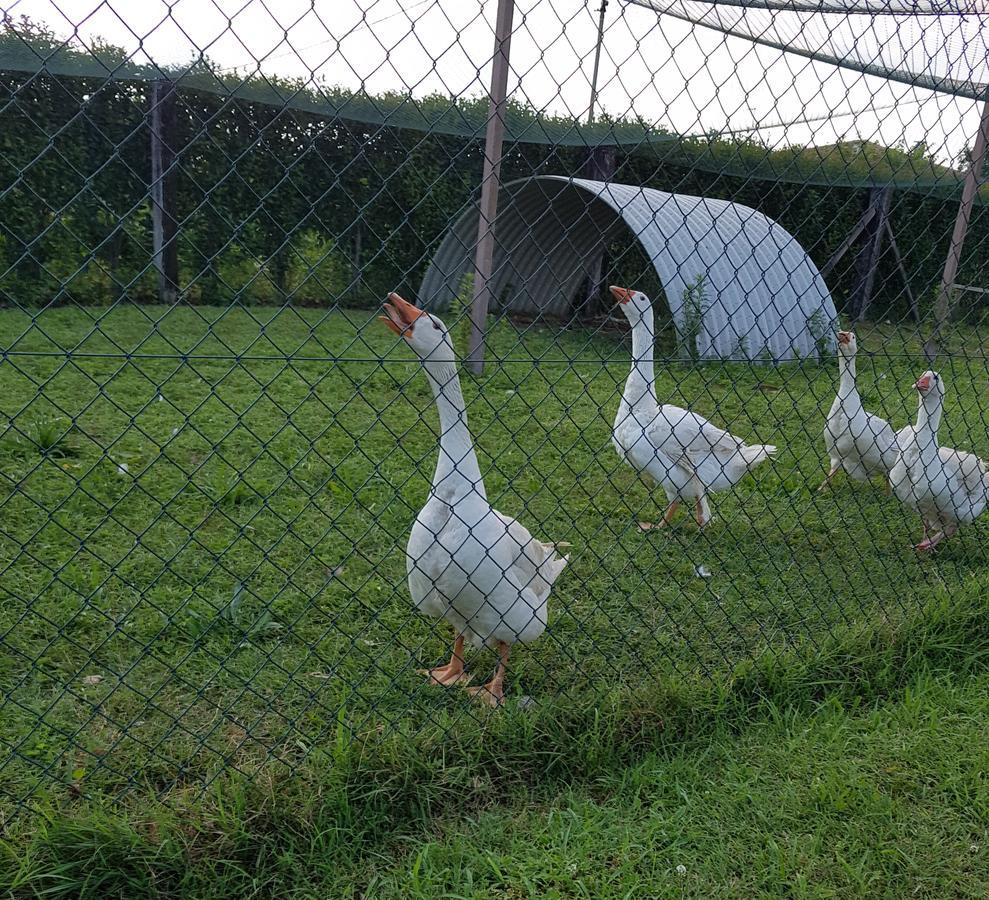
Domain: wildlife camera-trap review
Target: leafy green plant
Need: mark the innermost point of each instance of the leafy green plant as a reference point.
(231, 614)
(820, 330)
(694, 307)
(318, 270)
(49, 436)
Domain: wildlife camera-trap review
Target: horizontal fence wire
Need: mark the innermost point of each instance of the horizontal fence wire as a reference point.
(724, 296)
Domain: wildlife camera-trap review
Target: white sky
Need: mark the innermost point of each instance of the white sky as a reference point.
(689, 79)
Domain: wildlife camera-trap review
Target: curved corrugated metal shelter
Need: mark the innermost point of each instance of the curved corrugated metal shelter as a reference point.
(763, 293)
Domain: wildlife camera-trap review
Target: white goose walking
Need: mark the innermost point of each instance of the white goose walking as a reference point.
(681, 451)
(947, 487)
(467, 563)
(859, 442)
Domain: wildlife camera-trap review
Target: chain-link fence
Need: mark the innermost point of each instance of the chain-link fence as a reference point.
(213, 454)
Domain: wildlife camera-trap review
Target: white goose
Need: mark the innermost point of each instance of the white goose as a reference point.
(681, 451)
(857, 441)
(947, 487)
(467, 563)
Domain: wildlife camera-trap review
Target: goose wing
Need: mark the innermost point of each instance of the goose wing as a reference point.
(690, 438)
(535, 564)
(966, 468)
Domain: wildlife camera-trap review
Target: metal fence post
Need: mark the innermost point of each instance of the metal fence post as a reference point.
(164, 224)
(597, 61)
(490, 182)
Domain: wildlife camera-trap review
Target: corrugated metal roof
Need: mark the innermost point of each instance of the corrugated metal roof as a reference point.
(763, 292)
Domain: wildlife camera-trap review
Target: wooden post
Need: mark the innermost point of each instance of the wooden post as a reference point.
(868, 257)
(164, 225)
(850, 239)
(914, 307)
(972, 176)
(600, 166)
(490, 183)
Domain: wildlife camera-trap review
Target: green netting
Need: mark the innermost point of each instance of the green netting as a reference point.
(462, 116)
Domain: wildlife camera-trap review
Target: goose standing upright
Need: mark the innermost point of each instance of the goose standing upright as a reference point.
(859, 442)
(467, 563)
(947, 487)
(681, 451)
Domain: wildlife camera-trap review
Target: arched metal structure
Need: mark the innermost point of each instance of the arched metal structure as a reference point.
(763, 294)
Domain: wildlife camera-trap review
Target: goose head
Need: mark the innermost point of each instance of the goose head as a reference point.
(930, 386)
(847, 345)
(423, 332)
(634, 304)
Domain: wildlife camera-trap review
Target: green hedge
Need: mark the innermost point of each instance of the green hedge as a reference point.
(282, 203)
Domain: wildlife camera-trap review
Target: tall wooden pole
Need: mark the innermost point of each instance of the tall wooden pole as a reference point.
(943, 305)
(867, 261)
(490, 183)
(164, 224)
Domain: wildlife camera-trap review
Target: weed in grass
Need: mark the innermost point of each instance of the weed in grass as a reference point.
(47, 437)
(232, 616)
(228, 619)
(239, 494)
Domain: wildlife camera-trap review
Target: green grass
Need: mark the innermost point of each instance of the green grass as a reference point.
(141, 495)
(890, 800)
(796, 783)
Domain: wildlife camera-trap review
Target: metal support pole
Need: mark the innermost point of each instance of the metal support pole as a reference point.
(600, 167)
(597, 62)
(164, 223)
(942, 307)
(490, 182)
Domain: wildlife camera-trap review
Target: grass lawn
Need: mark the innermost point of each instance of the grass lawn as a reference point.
(203, 513)
(876, 793)
(886, 800)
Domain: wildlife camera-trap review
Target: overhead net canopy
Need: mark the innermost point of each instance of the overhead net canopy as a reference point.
(941, 46)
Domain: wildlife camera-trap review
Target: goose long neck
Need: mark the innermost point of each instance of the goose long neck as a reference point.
(928, 421)
(641, 383)
(846, 368)
(457, 471)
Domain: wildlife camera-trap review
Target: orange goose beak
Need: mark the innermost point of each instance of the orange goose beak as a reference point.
(622, 295)
(400, 315)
